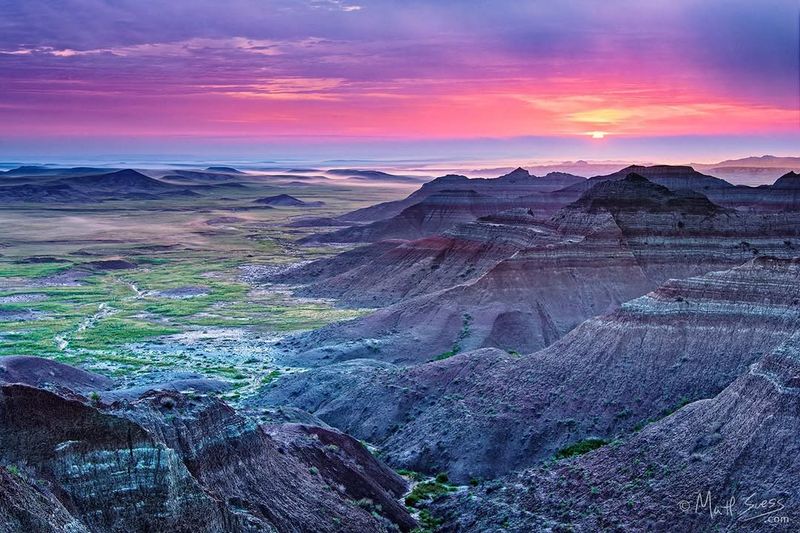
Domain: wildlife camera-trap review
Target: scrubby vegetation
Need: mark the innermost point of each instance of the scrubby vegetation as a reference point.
(427, 490)
(462, 335)
(580, 447)
(187, 297)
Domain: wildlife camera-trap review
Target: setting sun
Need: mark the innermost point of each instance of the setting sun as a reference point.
(597, 134)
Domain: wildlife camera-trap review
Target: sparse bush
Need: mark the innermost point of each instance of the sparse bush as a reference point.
(426, 490)
(580, 447)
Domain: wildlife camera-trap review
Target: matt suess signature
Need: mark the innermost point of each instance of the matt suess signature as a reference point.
(750, 508)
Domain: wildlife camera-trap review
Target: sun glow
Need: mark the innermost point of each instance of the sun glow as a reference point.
(597, 134)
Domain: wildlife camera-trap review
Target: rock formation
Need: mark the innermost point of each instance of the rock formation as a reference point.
(729, 463)
(483, 413)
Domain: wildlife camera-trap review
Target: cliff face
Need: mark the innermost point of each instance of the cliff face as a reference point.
(483, 413)
(736, 452)
(168, 462)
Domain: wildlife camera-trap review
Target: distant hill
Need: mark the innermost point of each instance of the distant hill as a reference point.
(285, 200)
(752, 170)
(374, 175)
(125, 184)
(224, 170)
(32, 170)
(764, 161)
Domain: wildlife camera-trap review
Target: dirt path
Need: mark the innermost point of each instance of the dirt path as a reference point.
(103, 310)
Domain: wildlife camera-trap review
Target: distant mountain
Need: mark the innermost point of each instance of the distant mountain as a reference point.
(46, 193)
(285, 200)
(125, 184)
(122, 180)
(588, 258)
(764, 161)
(374, 175)
(201, 177)
(783, 195)
(53, 171)
(224, 170)
(752, 170)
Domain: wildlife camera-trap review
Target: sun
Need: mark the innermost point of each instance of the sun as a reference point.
(597, 134)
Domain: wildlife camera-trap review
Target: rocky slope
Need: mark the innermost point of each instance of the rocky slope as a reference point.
(483, 413)
(44, 373)
(618, 241)
(435, 214)
(385, 272)
(729, 463)
(168, 461)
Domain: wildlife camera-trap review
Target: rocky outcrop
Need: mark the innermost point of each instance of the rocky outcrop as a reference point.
(483, 413)
(729, 463)
(515, 184)
(46, 373)
(781, 196)
(635, 193)
(25, 505)
(674, 177)
(173, 462)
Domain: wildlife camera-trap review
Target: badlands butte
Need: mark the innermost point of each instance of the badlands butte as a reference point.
(554, 353)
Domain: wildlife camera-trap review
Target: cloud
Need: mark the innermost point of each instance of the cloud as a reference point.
(335, 5)
(163, 49)
(417, 68)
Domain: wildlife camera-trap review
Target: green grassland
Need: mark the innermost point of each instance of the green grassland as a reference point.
(126, 323)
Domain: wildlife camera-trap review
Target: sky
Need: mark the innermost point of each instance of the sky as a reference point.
(668, 80)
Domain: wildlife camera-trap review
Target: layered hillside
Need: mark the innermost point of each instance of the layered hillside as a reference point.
(484, 413)
(616, 242)
(512, 185)
(385, 272)
(435, 214)
(674, 177)
(729, 463)
(167, 461)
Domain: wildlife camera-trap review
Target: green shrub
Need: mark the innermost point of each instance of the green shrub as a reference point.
(580, 447)
(427, 490)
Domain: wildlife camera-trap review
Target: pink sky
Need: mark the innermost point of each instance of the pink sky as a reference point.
(97, 75)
